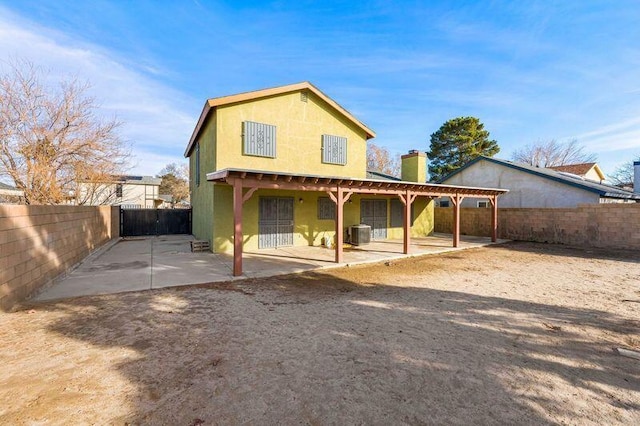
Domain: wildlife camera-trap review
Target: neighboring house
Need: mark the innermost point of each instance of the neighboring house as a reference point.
(590, 171)
(125, 191)
(165, 202)
(9, 194)
(536, 186)
(286, 166)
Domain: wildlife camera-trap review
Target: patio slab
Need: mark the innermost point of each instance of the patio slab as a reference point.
(135, 264)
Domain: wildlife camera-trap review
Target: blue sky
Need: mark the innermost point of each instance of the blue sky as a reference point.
(529, 70)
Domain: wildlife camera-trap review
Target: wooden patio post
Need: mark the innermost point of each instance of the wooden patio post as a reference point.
(456, 219)
(339, 223)
(237, 227)
(494, 218)
(407, 200)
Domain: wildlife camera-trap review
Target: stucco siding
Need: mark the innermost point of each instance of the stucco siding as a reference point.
(525, 189)
(299, 129)
(308, 229)
(202, 194)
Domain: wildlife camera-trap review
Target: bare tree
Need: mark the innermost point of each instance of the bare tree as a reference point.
(50, 137)
(623, 175)
(553, 153)
(175, 181)
(379, 159)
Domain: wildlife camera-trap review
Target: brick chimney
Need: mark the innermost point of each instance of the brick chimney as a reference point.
(414, 166)
(636, 177)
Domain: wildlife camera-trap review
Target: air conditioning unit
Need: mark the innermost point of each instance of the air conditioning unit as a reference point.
(360, 234)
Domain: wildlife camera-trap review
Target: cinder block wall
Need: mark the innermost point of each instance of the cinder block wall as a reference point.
(39, 243)
(591, 225)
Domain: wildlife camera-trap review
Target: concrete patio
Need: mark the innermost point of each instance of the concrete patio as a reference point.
(144, 263)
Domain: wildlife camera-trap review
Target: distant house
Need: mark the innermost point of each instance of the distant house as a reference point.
(124, 191)
(590, 171)
(9, 194)
(537, 186)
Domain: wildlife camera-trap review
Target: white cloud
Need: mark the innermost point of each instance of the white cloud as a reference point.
(157, 119)
(613, 137)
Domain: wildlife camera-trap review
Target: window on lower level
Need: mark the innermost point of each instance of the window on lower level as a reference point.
(397, 213)
(326, 209)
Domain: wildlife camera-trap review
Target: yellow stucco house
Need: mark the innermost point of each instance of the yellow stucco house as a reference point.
(286, 166)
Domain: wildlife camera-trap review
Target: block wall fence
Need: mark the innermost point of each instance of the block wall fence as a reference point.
(588, 225)
(39, 243)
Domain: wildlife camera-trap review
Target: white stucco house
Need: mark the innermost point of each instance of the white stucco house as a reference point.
(534, 186)
(124, 191)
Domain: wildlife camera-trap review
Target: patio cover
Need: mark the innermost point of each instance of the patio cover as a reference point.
(245, 182)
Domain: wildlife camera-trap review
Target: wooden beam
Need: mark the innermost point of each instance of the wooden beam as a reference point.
(248, 194)
(407, 222)
(347, 195)
(494, 218)
(339, 239)
(456, 200)
(237, 227)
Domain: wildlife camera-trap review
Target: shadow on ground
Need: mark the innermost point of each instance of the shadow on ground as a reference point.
(317, 348)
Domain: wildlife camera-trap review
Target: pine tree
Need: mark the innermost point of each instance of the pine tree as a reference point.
(457, 142)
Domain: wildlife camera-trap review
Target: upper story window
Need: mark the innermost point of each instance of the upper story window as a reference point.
(334, 149)
(119, 190)
(258, 139)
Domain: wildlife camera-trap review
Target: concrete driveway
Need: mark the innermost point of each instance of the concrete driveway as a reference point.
(143, 263)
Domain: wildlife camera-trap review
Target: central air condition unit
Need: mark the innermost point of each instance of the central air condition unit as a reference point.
(360, 234)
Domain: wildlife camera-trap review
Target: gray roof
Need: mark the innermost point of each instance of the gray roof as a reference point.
(10, 190)
(373, 174)
(138, 180)
(604, 190)
(5, 186)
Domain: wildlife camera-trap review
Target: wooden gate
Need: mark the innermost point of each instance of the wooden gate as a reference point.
(275, 222)
(374, 214)
(136, 222)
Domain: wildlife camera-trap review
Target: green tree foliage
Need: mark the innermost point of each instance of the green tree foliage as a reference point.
(457, 142)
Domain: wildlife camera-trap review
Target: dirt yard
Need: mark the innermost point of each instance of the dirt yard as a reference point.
(511, 334)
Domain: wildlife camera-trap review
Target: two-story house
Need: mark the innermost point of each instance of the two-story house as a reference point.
(286, 166)
(134, 192)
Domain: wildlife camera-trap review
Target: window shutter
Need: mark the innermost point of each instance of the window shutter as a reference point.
(397, 213)
(258, 139)
(326, 209)
(334, 149)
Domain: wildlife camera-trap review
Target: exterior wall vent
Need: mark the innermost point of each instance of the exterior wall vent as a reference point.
(304, 96)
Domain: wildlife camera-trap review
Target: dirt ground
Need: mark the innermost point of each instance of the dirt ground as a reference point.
(518, 333)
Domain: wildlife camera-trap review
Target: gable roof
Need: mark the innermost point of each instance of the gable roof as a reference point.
(604, 190)
(579, 169)
(264, 93)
